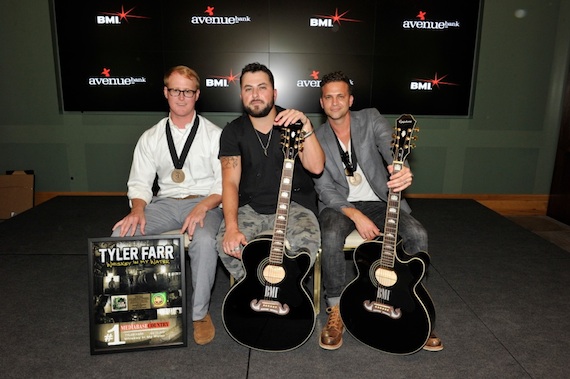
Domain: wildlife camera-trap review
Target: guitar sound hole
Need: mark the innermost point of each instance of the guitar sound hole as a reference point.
(381, 276)
(273, 274)
(386, 278)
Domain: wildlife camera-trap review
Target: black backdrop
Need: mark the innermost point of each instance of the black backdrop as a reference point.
(404, 56)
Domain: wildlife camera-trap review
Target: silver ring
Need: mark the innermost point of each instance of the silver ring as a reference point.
(236, 248)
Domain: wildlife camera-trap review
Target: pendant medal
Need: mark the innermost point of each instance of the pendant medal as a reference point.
(177, 175)
(355, 179)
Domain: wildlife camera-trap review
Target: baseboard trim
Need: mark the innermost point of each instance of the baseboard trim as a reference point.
(530, 205)
(506, 205)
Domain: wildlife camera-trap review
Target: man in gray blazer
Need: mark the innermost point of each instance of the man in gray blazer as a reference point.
(353, 192)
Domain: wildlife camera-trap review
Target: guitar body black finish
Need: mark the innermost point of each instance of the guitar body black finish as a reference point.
(395, 319)
(267, 317)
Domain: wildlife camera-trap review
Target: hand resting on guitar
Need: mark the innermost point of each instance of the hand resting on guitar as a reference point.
(365, 173)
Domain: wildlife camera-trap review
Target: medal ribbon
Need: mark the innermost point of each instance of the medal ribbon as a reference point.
(179, 162)
(349, 167)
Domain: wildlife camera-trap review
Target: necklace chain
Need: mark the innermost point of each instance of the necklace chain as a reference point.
(261, 143)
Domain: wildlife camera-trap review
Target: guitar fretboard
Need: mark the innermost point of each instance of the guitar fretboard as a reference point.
(391, 225)
(282, 214)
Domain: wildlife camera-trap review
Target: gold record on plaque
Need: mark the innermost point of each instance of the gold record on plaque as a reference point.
(177, 175)
(355, 179)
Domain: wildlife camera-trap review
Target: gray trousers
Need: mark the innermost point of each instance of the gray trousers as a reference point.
(163, 215)
(302, 232)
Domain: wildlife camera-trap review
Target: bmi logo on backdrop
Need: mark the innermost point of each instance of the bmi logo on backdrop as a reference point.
(320, 21)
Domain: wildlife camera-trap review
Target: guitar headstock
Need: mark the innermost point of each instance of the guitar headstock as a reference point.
(403, 137)
(292, 140)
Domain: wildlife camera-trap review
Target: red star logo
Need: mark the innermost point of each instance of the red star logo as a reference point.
(106, 72)
(209, 11)
(315, 75)
(437, 81)
(339, 17)
(123, 15)
(421, 15)
(231, 78)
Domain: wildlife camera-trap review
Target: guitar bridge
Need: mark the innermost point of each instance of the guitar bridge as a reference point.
(387, 310)
(271, 306)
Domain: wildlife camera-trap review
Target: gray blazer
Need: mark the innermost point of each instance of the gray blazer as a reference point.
(371, 137)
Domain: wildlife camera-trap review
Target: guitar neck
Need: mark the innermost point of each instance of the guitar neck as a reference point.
(282, 213)
(391, 224)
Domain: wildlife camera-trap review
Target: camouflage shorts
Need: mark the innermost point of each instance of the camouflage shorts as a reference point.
(302, 232)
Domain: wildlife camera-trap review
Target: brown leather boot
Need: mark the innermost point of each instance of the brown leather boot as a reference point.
(204, 330)
(433, 343)
(331, 335)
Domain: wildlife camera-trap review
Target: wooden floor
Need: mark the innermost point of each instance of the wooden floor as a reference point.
(546, 227)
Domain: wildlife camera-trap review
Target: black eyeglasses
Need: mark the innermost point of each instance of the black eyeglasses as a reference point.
(186, 92)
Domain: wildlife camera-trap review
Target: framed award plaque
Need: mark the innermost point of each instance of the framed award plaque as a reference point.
(137, 297)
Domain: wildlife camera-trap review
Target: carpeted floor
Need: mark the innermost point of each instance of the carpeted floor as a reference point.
(500, 293)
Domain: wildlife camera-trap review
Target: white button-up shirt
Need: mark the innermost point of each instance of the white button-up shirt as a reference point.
(202, 169)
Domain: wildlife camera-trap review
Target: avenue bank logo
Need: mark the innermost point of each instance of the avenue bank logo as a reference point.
(328, 21)
(420, 22)
(107, 80)
(216, 81)
(116, 18)
(314, 82)
(212, 19)
(430, 84)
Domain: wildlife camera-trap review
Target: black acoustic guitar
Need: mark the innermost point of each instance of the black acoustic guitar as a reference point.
(385, 306)
(270, 309)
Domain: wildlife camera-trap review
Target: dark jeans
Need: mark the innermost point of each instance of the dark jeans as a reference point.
(335, 227)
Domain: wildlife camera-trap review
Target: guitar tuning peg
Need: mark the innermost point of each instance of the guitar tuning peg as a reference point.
(416, 129)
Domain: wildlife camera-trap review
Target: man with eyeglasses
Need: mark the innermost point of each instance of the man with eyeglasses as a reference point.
(181, 152)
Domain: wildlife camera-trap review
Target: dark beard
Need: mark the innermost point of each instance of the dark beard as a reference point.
(261, 113)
